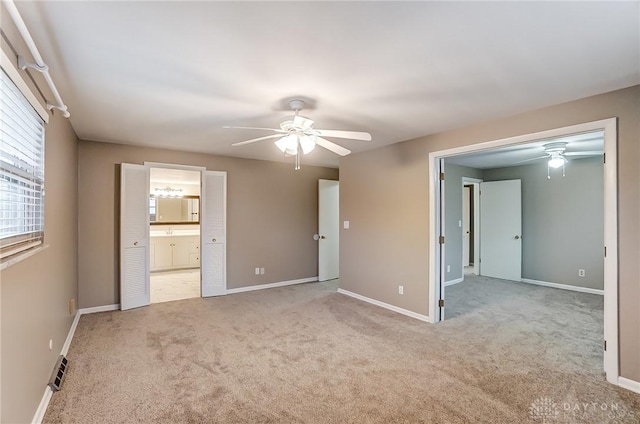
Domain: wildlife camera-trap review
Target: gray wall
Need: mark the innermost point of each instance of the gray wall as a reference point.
(272, 214)
(562, 221)
(453, 206)
(385, 194)
(34, 293)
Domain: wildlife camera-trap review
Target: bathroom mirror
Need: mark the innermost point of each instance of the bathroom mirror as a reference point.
(174, 210)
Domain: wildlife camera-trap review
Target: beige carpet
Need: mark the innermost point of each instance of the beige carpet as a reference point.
(305, 354)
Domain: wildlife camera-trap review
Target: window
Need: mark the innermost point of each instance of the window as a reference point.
(21, 171)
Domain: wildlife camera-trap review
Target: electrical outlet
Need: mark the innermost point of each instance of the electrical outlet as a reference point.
(460, 223)
(400, 289)
(581, 273)
(448, 268)
(72, 306)
(261, 271)
(257, 271)
(50, 344)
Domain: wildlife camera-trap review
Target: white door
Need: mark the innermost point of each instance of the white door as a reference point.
(328, 230)
(501, 229)
(466, 215)
(134, 236)
(213, 233)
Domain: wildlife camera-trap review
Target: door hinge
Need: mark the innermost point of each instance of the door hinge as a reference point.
(441, 240)
(442, 176)
(605, 345)
(604, 158)
(441, 303)
(605, 251)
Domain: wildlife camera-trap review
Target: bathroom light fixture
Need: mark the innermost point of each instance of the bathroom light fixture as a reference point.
(168, 192)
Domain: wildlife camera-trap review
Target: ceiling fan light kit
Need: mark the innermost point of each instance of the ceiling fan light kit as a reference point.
(297, 137)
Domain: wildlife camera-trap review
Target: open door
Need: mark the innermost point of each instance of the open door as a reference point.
(501, 229)
(134, 236)
(328, 230)
(213, 233)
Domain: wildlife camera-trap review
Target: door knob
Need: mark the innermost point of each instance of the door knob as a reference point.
(135, 243)
(517, 237)
(213, 240)
(322, 237)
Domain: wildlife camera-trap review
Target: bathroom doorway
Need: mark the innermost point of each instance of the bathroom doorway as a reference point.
(174, 234)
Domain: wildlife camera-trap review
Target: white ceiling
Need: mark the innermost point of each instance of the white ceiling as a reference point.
(171, 74)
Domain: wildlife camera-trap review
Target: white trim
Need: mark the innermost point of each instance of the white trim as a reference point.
(386, 305)
(174, 166)
(14, 75)
(628, 384)
(46, 397)
(104, 308)
(72, 331)
(452, 282)
(611, 304)
(563, 286)
(42, 408)
(19, 257)
(272, 285)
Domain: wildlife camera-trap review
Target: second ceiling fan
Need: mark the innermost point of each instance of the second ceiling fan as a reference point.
(297, 136)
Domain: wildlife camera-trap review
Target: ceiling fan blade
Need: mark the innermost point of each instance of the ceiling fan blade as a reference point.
(254, 128)
(355, 135)
(587, 153)
(302, 122)
(253, 140)
(532, 159)
(338, 150)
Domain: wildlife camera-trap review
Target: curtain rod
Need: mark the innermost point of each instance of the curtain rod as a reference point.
(40, 65)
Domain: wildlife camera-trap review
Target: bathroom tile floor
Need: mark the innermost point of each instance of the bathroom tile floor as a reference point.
(174, 285)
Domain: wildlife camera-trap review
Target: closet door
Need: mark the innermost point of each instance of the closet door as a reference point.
(213, 233)
(134, 236)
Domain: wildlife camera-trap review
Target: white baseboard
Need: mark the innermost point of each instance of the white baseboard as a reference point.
(563, 286)
(42, 408)
(628, 384)
(46, 397)
(452, 282)
(272, 285)
(72, 330)
(386, 305)
(104, 308)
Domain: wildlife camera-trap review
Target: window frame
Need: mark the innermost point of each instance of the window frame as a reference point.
(22, 250)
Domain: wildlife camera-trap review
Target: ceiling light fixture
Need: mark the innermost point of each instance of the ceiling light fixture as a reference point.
(168, 192)
(556, 161)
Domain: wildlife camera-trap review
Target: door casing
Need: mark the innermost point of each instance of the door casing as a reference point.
(609, 127)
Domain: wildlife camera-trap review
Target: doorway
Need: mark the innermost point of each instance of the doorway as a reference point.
(135, 241)
(328, 230)
(174, 234)
(471, 225)
(608, 127)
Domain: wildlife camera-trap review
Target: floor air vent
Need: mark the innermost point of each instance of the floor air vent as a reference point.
(59, 370)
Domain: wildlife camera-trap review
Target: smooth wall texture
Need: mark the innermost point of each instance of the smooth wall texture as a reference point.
(562, 221)
(385, 194)
(453, 205)
(35, 292)
(272, 215)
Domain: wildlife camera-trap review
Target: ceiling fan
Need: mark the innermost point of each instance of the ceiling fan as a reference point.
(297, 136)
(557, 155)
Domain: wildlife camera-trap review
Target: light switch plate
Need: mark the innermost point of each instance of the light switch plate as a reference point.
(345, 225)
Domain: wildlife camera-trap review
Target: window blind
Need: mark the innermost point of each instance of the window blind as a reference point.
(21, 171)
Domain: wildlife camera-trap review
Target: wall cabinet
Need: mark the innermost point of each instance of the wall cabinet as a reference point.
(173, 252)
